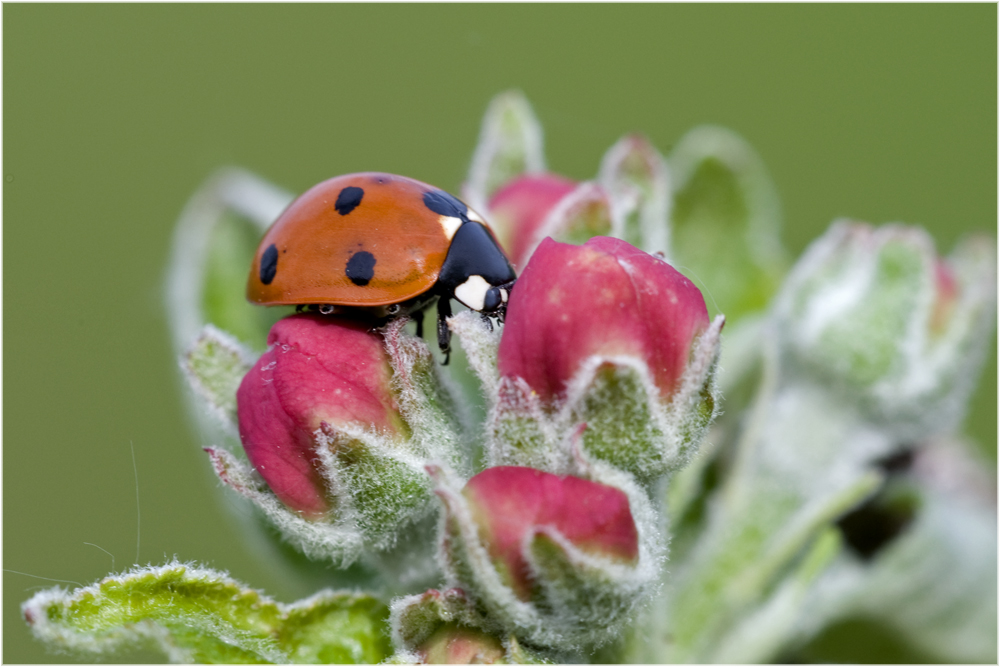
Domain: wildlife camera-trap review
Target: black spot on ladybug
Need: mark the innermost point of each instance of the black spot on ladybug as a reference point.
(443, 203)
(269, 264)
(361, 268)
(348, 199)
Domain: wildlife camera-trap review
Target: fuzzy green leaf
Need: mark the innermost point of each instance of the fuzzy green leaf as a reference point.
(198, 615)
(231, 250)
(949, 546)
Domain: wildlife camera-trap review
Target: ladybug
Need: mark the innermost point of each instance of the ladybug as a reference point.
(384, 246)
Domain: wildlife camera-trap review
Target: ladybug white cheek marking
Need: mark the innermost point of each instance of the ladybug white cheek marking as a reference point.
(450, 225)
(473, 292)
(472, 215)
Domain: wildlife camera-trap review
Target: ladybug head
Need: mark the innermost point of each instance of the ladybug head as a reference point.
(476, 272)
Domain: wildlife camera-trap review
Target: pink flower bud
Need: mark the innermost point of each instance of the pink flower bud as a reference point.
(512, 504)
(317, 371)
(519, 208)
(459, 645)
(605, 297)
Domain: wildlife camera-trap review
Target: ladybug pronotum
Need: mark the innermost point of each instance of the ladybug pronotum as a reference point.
(384, 245)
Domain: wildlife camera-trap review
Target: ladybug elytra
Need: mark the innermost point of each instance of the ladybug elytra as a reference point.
(381, 244)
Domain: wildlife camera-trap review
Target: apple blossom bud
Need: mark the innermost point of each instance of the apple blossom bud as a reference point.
(318, 370)
(548, 556)
(458, 645)
(442, 627)
(603, 298)
(338, 421)
(510, 504)
(520, 207)
(876, 314)
(606, 334)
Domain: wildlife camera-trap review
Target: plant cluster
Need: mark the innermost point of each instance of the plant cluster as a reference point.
(605, 476)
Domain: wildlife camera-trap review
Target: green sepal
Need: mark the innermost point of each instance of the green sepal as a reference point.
(195, 614)
(582, 214)
(215, 365)
(636, 178)
(726, 221)
(510, 144)
(430, 403)
(416, 618)
(622, 428)
(387, 490)
(588, 599)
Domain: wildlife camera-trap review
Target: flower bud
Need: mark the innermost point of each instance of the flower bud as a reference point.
(510, 504)
(338, 423)
(556, 560)
(458, 645)
(606, 334)
(877, 315)
(631, 302)
(510, 144)
(519, 209)
(442, 627)
(317, 371)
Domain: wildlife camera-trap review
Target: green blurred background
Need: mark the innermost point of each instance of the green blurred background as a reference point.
(114, 114)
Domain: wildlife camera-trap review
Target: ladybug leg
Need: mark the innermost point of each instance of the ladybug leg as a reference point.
(444, 333)
(418, 317)
(487, 321)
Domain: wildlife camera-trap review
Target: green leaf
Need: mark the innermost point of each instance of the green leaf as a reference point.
(934, 584)
(199, 615)
(231, 249)
(214, 241)
(726, 221)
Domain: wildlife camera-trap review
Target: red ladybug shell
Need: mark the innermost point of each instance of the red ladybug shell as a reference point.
(357, 240)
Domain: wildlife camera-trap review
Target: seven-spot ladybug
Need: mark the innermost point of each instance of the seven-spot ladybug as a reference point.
(382, 244)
